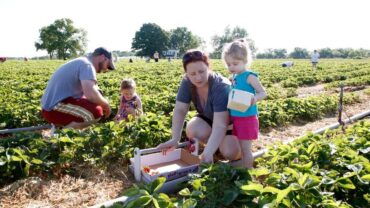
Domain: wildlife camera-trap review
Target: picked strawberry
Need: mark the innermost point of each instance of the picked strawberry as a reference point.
(192, 148)
(146, 169)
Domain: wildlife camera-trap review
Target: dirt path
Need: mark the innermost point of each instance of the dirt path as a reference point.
(311, 90)
(297, 130)
(92, 187)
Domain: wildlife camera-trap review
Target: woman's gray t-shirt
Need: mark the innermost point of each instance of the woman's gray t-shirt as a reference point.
(217, 95)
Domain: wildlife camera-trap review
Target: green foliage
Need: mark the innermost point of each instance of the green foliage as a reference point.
(324, 53)
(150, 38)
(230, 35)
(330, 170)
(270, 53)
(182, 39)
(148, 195)
(62, 39)
(24, 83)
(215, 186)
(318, 171)
(30, 155)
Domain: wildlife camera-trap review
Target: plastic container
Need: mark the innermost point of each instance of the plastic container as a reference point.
(239, 100)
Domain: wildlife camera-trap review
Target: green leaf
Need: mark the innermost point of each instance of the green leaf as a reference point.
(366, 177)
(295, 187)
(157, 184)
(197, 184)
(312, 148)
(155, 202)
(229, 196)
(270, 189)
(259, 172)
(291, 171)
(36, 161)
(133, 191)
(15, 158)
(164, 200)
(197, 193)
(66, 140)
(252, 189)
(303, 167)
(189, 203)
(346, 183)
(185, 192)
(282, 194)
(302, 180)
(27, 169)
(140, 202)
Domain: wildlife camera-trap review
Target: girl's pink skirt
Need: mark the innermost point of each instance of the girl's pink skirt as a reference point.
(245, 128)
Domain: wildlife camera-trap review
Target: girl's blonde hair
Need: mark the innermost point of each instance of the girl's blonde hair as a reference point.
(239, 50)
(128, 84)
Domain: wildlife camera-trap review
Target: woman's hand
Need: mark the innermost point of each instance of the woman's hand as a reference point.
(205, 158)
(168, 146)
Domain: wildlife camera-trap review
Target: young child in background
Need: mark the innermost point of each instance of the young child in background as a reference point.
(238, 59)
(130, 102)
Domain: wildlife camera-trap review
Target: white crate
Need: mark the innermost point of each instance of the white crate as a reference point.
(175, 164)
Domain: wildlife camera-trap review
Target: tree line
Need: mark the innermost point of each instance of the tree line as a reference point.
(302, 53)
(63, 40)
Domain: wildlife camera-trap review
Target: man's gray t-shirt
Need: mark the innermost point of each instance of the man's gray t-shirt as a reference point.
(217, 95)
(66, 82)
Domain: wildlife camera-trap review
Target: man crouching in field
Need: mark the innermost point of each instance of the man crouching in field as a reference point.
(71, 98)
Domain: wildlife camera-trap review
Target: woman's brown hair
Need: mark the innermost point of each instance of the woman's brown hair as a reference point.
(194, 56)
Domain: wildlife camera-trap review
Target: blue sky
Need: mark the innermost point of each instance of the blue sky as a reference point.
(112, 23)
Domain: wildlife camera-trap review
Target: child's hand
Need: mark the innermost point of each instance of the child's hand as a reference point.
(253, 100)
(131, 110)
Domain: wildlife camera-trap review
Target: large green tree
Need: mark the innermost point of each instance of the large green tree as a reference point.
(150, 38)
(182, 39)
(230, 35)
(62, 39)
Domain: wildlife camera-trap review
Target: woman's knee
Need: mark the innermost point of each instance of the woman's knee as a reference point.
(197, 128)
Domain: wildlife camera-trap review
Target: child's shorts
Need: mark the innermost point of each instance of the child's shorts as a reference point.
(245, 128)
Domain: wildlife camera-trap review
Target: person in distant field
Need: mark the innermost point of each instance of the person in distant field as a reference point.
(238, 59)
(2, 59)
(130, 102)
(315, 59)
(130, 60)
(72, 98)
(208, 91)
(287, 64)
(156, 56)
